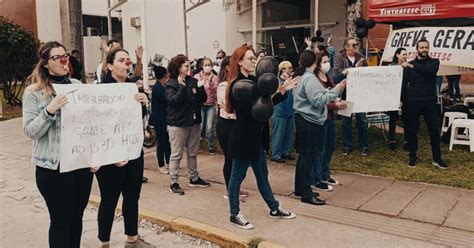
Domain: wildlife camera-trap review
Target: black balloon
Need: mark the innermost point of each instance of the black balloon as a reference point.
(266, 64)
(318, 33)
(360, 22)
(370, 23)
(362, 32)
(267, 84)
(245, 90)
(262, 109)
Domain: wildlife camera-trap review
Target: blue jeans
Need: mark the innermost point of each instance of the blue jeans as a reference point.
(439, 82)
(282, 136)
(260, 170)
(309, 152)
(318, 161)
(362, 126)
(330, 146)
(208, 114)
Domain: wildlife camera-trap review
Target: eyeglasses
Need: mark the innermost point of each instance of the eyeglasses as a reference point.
(58, 58)
(253, 58)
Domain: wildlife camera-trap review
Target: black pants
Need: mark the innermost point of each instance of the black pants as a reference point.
(163, 148)
(114, 180)
(223, 127)
(309, 151)
(429, 110)
(392, 124)
(66, 195)
(453, 84)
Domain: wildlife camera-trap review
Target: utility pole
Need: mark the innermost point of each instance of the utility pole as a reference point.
(71, 27)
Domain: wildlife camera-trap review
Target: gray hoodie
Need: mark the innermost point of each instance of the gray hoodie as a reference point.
(310, 98)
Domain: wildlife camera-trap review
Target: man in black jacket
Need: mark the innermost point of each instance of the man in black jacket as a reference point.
(185, 97)
(420, 98)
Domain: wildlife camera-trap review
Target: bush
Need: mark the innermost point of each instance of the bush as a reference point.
(18, 55)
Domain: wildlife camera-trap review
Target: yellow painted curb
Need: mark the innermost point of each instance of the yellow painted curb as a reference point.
(193, 228)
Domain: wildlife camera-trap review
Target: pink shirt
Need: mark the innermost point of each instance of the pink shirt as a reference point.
(210, 86)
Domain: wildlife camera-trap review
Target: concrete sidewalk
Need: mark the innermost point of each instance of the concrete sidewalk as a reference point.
(365, 211)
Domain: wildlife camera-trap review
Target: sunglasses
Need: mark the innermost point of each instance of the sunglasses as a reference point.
(59, 58)
(354, 45)
(218, 57)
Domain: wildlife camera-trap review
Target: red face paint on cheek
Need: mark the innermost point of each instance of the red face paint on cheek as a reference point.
(63, 61)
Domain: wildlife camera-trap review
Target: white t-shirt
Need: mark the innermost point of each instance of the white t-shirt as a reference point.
(98, 74)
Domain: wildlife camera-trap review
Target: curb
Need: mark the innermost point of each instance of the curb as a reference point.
(194, 228)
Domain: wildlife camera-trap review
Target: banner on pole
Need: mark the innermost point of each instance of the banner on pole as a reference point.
(374, 89)
(453, 46)
(101, 124)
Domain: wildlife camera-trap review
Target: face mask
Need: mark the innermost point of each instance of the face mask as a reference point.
(325, 67)
(207, 69)
(219, 61)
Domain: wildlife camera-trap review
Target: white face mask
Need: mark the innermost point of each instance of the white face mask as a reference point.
(325, 67)
(219, 61)
(207, 69)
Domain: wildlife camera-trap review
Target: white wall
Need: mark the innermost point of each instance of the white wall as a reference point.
(48, 20)
(97, 8)
(165, 28)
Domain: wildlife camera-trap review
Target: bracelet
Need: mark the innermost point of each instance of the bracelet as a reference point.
(49, 113)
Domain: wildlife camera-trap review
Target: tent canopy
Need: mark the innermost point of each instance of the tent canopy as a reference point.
(422, 12)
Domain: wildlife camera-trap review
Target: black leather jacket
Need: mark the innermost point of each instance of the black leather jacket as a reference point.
(184, 102)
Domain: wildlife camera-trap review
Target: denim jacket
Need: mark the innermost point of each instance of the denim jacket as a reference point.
(43, 129)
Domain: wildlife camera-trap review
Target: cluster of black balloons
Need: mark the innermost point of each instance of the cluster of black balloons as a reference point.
(319, 37)
(259, 93)
(363, 26)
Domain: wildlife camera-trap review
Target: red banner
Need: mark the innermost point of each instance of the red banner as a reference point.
(393, 11)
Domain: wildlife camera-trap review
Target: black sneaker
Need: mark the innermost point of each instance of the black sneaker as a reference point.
(332, 181)
(289, 157)
(346, 151)
(323, 187)
(241, 222)
(440, 164)
(392, 145)
(412, 162)
(175, 189)
(278, 160)
(280, 213)
(365, 151)
(199, 183)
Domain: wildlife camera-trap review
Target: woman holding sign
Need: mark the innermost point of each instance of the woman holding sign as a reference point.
(123, 177)
(66, 194)
(399, 58)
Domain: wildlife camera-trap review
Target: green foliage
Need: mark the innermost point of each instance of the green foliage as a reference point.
(18, 55)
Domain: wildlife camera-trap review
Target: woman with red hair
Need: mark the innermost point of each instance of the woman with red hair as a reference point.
(246, 141)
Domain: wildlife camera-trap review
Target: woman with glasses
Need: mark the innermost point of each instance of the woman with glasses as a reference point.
(185, 96)
(66, 194)
(282, 120)
(208, 109)
(246, 141)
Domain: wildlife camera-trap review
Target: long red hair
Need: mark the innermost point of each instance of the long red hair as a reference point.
(234, 70)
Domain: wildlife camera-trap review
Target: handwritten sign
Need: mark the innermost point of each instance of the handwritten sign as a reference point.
(101, 124)
(374, 88)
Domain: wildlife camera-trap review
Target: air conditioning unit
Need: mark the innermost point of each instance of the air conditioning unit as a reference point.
(135, 22)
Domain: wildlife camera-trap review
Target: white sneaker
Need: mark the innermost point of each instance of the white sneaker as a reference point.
(165, 170)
